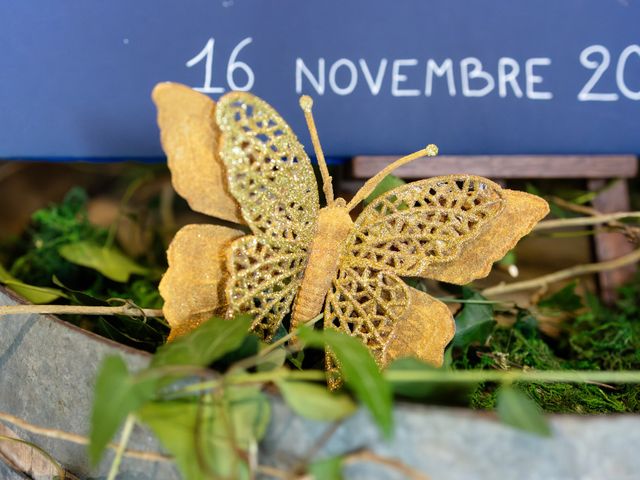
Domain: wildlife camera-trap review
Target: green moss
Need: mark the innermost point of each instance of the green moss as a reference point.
(600, 338)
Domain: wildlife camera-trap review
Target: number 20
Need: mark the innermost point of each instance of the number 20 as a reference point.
(586, 94)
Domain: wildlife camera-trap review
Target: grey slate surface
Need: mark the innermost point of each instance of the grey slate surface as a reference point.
(47, 370)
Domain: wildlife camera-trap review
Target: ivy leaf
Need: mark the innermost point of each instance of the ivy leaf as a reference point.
(316, 402)
(518, 410)
(475, 321)
(32, 293)
(210, 341)
(565, 299)
(117, 393)
(326, 469)
(211, 438)
(109, 261)
(360, 372)
(388, 183)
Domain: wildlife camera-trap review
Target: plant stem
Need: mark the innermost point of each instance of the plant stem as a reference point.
(571, 272)
(501, 376)
(127, 309)
(448, 376)
(124, 439)
(394, 463)
(79, 439)
(62, 474)
(584, 221)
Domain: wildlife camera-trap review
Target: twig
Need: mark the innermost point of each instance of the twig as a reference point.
(124, 439)
(574, 207)
(127, 309)
(273, 472)
(62, 474)
(369, 456)
(78, 439)
(584, 221)
(571, 272)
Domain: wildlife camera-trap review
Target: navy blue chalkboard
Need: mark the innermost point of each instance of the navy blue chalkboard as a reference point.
(496, 76)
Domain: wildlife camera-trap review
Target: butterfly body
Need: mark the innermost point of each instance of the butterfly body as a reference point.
(334, 226)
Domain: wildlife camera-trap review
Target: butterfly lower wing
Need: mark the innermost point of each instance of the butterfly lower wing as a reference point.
(267, 170)
(420, 227)
(263, 280)
(193, 285)
(190, 138)
(365, 303)
(423, 331)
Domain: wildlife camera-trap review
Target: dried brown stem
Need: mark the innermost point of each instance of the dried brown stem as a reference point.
(369, 456)
(79, 439)
(565, 274)
(574, 207)
(127, 309)
(584, 221)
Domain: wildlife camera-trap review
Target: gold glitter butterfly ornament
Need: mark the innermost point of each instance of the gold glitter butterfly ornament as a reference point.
(238, 160)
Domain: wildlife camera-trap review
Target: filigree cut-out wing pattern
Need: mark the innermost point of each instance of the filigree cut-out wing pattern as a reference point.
(268, 171)
(448, 228)
(264, 281)
(422, 223)
(408, 231)
(271, 177)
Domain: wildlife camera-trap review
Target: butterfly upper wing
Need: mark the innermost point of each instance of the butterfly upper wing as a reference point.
(271, 176)
(415, 226)
(190, 138)
(268, 171)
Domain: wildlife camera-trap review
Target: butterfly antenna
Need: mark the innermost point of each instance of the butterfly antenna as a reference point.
(306, 103)
(429, 151)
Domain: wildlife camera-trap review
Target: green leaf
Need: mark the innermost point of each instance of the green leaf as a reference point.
(109, 261)
(32, 293)
(326, 469)
(388, 183)
(314, 401)
(565, 299)
(272, 360)
(175, 424)
(510, 258)
(211, 438)
(474, 322)
(117, 393)
(207, 343)
(360, 372)
(518, 410)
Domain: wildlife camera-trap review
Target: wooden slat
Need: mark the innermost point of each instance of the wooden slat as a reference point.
(506, 166)
(612, 245)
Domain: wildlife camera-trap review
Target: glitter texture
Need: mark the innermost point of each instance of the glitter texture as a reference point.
(449, 228)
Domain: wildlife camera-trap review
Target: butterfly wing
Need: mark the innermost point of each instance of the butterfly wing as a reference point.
(190, 138)
(422, 228)
(364, 302)
(449, 228)
(264, 280)
(268, 171)
(271, 176)
(392, 319)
